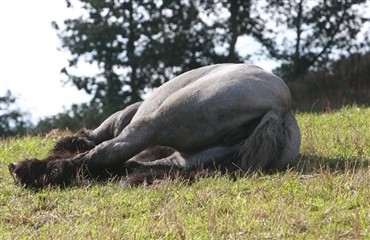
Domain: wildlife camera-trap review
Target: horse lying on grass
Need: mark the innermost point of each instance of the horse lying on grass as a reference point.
(230, 116)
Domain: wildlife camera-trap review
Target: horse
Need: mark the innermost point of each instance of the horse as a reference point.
(233, 116)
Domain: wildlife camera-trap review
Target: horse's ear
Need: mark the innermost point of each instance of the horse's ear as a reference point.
(12, 167)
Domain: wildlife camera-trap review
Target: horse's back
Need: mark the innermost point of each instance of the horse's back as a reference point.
(230, 85)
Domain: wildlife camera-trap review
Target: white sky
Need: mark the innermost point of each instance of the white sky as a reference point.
(29, 60)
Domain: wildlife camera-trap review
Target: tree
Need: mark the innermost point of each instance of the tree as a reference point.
(306, 34)
(135, 45)
(230, 20)
(12, 120)
(138, 45)
(79, 116)
(345, 81)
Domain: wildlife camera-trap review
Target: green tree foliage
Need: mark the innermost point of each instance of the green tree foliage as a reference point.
(308, 34)
(79, 116)
(12, 120)
(135, 45)
(229, 20)
(138, 45)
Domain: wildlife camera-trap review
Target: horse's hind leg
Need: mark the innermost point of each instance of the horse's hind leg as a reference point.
(211, 157)
(183, 163)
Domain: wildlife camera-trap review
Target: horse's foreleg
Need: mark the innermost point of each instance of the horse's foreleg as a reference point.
(136, 137)
(112, 126)
(88, 139)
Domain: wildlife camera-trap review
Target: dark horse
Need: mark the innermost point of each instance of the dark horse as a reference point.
(227, 115)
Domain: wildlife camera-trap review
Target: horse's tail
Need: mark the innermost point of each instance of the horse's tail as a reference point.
(267, 146)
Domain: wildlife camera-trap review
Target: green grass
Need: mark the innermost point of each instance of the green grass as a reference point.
(325, 196)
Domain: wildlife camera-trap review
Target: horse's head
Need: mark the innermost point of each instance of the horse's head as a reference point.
(34, 174)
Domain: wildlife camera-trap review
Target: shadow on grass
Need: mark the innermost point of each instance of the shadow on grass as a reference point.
(310, 164)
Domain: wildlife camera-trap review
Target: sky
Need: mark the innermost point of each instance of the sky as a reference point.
(30, 61)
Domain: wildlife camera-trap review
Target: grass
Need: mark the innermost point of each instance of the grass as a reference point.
(325, 196)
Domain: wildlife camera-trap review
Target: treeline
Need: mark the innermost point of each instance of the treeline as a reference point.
(12, 120)
(136, 46)
(344, 82)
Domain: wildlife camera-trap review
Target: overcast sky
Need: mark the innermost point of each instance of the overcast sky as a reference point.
(30, 62)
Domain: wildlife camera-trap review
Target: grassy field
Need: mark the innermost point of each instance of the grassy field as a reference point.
(325, 196)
